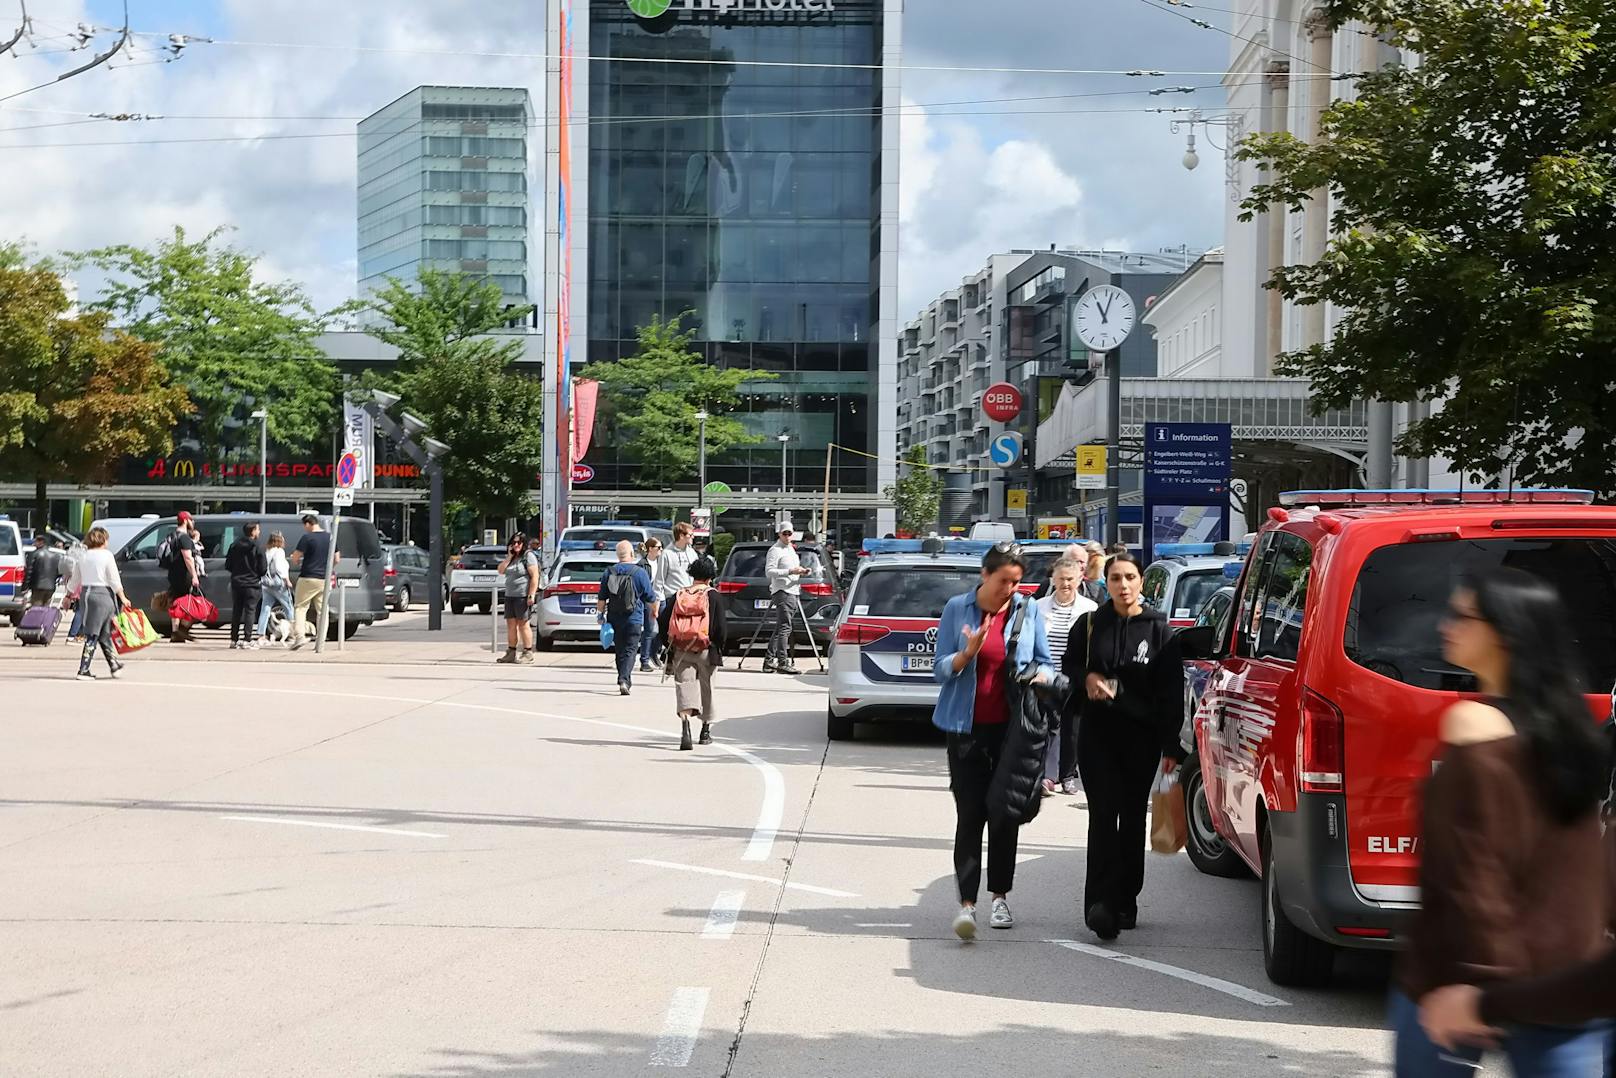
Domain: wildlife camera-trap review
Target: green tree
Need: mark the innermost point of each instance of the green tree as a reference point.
(464, 384)
(75, 395)
(234, 340)
(649, 400)
(918, 494)
(1473, 202)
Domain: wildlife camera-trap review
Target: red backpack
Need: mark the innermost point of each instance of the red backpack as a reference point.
(687, 627)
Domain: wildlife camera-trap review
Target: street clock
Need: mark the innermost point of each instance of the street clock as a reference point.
(1103, 317)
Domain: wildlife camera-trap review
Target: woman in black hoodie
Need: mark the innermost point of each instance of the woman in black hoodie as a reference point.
(1128, 679)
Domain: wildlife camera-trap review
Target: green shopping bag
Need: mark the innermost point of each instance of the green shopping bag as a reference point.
(131, 631)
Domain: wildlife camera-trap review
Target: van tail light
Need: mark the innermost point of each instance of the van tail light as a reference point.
(816, 589)
(1365, 933)
(731, 587)
(582, 587)
(389, 572)
(1323, 745)
(859, 633)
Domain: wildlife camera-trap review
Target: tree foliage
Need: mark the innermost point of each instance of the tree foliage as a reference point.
(461, 381)
(75, 395)
(1473, 256)
(234, 340)
(918, 494)
(650, 399)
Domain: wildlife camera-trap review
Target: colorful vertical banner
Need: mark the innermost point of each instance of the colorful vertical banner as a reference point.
(359, 438)
(563, 433)
(585, 394)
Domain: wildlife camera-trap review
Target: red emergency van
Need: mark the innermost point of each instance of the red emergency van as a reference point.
(1318, 725)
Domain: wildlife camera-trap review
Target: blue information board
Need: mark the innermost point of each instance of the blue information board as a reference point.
(1187, 461)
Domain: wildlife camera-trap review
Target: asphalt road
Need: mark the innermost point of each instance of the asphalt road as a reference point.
(405, 861)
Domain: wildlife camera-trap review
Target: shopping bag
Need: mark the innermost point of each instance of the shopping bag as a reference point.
(131, 631)
(1169, 828)
(193, 608)
(608, 635)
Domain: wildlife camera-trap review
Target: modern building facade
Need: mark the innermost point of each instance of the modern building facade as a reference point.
(737, 161)
(443, 184)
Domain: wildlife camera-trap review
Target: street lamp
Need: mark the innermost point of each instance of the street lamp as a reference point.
(701, 475)
(262, 416)
(784, 437)
(427, 455)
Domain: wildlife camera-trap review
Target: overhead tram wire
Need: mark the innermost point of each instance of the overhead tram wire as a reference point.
(22, 28)
(123, 40)
(1205, 25)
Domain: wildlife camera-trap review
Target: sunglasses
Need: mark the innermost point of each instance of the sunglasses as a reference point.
(1008, 546)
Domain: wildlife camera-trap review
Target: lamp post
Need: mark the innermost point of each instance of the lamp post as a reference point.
(427, 455)
(262, 415)
(784, 438)
(701, 459)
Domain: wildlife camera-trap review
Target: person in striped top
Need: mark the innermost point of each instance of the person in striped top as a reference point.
(1061, 609)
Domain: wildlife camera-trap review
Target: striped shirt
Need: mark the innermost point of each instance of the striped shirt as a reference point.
(1059, 621)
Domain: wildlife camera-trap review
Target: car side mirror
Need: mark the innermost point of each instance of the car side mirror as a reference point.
(828, 612)
(1197, 641)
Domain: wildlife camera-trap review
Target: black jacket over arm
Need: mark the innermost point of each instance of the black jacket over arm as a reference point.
(1142, 653)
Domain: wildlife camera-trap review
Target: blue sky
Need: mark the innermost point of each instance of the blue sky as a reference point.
(1103, 174)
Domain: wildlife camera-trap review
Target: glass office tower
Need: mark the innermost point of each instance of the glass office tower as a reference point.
(443, 185)
(740, 166)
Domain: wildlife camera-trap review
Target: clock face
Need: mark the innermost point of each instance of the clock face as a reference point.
(1103, 317)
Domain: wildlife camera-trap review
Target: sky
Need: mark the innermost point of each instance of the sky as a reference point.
(272, 105)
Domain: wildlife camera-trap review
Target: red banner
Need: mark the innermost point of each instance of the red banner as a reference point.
(584, 395)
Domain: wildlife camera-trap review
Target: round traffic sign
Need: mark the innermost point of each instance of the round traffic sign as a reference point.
(1006, 449)
(582, 473)
(347, 470)
(650, 9)
(716, 489)
(1002, 402)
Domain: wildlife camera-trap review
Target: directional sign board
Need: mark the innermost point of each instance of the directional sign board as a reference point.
(1091, 467)
(1006, 449)
(342, 496)
(347, 470)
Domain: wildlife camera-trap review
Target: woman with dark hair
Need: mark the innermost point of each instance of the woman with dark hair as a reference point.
(1512, 873)
(692, 623)
(987, 636)
(1128, 679)
(521, 569)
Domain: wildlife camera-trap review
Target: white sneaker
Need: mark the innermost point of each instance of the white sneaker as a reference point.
(965, 923)
(1001, 917)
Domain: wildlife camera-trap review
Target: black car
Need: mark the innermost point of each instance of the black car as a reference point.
(406, 575)
(748, 603)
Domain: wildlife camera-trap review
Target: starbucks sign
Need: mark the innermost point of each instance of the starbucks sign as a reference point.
(655, 9)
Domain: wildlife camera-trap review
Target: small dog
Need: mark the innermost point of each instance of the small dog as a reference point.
(279, 628)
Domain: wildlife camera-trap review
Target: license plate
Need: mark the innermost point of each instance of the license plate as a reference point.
(764, 604)
(484, 578)
(919, 662)
(588, 600)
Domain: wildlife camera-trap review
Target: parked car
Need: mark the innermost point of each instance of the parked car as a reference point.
(1183, 576)
(606, 536)
(885, 635)
(748, 603)
(13, 601)
(406, 575)
(1320, 719)
(474, 579)
(1204, 845)
(122, 529)
(568, 604)
(358, 570)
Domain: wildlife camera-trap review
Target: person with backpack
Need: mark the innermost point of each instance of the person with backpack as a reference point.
(693, 626)
(178, 554)
(625, 595)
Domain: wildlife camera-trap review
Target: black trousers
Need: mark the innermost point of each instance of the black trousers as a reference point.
(1065, 736)
(244, 604)
(1118, 759)
(972, 759)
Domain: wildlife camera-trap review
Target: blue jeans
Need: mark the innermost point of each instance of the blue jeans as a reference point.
(626, 644)
(274, 595)
(1533, 1051)
(648, 642)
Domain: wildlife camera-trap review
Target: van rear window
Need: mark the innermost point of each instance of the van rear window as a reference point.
(1402, 594)
(909, 591)
(8, 543)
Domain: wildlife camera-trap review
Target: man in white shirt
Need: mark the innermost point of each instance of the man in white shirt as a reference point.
(783, 569)
(673, 568)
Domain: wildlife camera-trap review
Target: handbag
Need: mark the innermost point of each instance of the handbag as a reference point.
(1169, 826)
(193, 608)
(131, 631)
(1014, 792)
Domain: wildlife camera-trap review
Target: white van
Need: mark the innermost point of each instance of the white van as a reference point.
(993, 531)
(13, 601)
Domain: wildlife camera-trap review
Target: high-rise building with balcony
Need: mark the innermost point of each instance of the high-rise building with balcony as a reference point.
(443, 184)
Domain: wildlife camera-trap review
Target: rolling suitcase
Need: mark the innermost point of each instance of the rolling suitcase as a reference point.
(39, 625)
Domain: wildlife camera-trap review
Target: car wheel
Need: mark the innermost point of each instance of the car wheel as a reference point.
(403, 602)
(458, 608)
(1206, 847)
(544, 643)
(483, 607)
(839, 727)
(1290, 956)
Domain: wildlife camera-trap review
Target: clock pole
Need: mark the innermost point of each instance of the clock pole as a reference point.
(1113, 477)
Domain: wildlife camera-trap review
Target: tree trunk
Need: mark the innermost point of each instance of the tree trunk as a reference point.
(41, 504)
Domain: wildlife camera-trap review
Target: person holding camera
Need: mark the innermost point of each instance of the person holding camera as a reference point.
(521, 569)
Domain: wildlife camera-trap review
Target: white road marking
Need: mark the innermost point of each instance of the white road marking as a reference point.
(883, 924)
(680, 1028)
(770, 811)
(726, 874)
(1217, 984)
(726, 911)
(334, 826)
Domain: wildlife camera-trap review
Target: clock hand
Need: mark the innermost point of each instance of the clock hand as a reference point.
(1105, 312)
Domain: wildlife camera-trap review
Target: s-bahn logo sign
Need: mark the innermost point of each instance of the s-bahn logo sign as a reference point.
(655, 9)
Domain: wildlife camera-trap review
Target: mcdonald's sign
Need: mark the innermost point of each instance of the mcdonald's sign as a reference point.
(185, 469)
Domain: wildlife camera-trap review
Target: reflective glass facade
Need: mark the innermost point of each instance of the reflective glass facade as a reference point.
(443, 184)
(747, 194)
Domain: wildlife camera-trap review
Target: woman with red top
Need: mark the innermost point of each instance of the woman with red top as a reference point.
(975, 668)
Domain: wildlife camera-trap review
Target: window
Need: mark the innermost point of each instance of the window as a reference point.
(1284, 599)
(1402, 592)
(216, 538)
(144, 548)
(1155, 586)
(910, 592)
(1193, 590)
(8, 541)
(580, 571)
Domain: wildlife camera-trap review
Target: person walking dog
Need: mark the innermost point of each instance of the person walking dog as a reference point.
(693, 626)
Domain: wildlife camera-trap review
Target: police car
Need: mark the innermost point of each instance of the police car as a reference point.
(567, 606)
(1184, 575)
(12, 599)
(885, 645)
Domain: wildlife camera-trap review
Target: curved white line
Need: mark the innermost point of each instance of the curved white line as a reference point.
(770, 810)
(1217, 984)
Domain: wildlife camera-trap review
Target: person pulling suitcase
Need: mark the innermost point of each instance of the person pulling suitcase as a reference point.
(99, 590)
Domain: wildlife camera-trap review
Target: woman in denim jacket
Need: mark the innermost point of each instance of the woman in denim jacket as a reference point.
(973, 708)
